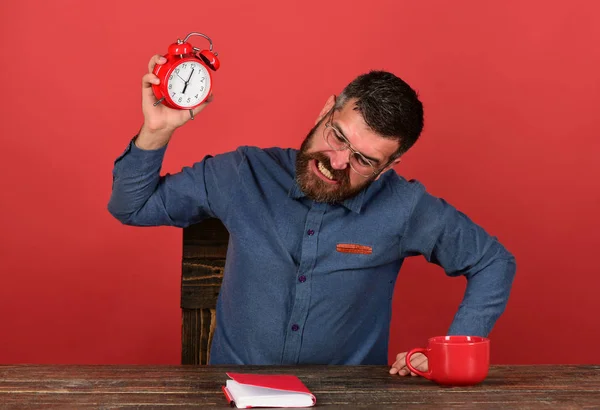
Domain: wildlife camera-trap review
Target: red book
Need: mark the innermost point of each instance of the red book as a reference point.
(267, 390)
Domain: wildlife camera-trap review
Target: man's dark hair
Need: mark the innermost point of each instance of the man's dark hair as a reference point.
(389, 106)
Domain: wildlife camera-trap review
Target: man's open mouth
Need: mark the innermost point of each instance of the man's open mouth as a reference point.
(322, 172)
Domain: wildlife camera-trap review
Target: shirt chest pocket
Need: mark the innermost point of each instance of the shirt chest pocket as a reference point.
(354, 248)
(356, 256)
(354, 270)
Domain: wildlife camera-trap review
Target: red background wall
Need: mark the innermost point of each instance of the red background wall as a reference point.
(511, 92)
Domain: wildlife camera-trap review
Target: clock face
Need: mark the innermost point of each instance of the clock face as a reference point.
(188, 84)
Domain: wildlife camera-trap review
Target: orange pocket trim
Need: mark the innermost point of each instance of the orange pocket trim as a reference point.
(352, 248)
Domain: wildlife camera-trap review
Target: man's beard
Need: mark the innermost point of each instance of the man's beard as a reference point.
(318, 190)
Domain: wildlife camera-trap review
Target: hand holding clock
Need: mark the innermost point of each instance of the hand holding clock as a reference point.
(159, 120)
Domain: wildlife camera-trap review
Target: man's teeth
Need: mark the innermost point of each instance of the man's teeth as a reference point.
(324, 170)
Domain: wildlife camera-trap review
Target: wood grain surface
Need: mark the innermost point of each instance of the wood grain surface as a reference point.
(506, 387)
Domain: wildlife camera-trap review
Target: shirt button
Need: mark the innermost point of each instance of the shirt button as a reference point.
(310, 232)
(302, 279)
(295, 327)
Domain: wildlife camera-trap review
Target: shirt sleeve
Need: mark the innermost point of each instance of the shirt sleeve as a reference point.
(448, 238)
(141, 197)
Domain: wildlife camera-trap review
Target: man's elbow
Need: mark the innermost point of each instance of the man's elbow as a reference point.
(119, 215)
(510, 260)
(506, 265)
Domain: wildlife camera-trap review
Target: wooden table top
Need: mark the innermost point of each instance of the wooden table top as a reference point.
(117, 386)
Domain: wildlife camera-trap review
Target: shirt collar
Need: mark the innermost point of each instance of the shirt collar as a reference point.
(354, 204)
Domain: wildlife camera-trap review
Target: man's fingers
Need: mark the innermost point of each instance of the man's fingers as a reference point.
(400, 356)
(398, 368)
(149, 79)
(156, 59)
(418, 360)
(398, 364)
(420, 364)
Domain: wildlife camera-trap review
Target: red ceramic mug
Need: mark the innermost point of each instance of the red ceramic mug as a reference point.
(455, 360)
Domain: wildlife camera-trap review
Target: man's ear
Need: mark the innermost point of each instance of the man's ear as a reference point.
(326, 108)
(392, 165)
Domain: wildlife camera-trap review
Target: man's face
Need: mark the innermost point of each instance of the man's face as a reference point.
(324, 174)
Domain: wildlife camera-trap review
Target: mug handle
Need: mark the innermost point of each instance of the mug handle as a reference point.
(427, 374)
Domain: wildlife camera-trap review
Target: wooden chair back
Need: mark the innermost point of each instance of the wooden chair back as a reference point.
(204, 251)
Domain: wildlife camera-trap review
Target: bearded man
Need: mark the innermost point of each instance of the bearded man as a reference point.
(317, 235)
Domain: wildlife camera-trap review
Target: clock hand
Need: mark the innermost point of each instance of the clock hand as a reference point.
(191, 74)
(188, 80)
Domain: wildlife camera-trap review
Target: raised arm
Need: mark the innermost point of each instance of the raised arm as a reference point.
(140, 196)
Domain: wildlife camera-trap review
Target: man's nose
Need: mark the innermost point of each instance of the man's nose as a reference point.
(339, 159)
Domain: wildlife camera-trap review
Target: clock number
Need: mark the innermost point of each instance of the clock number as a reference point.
(188, 100)
(170, 86)
(179, 99)
(196, 96)
(173, 95)
(184, 66)
(170, 78)
(177, 70)
(202, 88)
(202, 80)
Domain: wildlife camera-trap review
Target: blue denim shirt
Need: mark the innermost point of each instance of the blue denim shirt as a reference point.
(292, 293)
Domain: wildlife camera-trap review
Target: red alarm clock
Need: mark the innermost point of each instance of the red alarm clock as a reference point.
(185, 79)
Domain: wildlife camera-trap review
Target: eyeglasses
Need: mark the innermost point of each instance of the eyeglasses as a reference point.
(358, 162)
